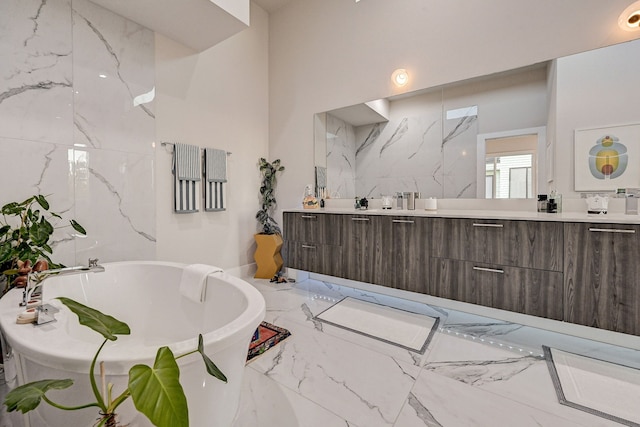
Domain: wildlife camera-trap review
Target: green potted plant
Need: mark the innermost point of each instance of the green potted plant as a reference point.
(269, 239)
(156, 391)
(25, 232)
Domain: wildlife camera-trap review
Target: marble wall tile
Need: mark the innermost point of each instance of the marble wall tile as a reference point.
(114, 191)
(459, 154)
(32, 167)
(73, 125)
(398, 156)
(341, 158)
(36, 98)
(113, 65)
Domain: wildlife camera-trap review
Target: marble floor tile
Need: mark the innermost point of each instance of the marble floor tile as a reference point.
(363, 387)
(302, 301)
(265, 403)
(439, 401)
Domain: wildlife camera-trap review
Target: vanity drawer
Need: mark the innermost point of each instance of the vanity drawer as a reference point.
(522, 290)
(312, 227)
(528, 244)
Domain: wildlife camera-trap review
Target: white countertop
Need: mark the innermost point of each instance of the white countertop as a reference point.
(616, 218)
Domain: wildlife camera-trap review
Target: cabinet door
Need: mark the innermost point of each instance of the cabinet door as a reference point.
(362, 248)
(408, 262)
(312, 227)
(315, 258)
(602, 276)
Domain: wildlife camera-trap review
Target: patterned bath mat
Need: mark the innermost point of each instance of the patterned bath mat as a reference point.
(601, 388)
(265, 337)
(402, 328)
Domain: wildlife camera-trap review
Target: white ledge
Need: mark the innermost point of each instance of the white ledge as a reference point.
(198, 24)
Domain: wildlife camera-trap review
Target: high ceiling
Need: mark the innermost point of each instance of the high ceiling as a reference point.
(271, 5)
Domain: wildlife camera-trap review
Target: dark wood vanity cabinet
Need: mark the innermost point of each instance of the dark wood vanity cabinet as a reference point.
(313, 242)
(602, 276)
(584, 273)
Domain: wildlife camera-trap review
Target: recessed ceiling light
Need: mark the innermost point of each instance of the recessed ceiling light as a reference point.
(400, 77)
(629, 20)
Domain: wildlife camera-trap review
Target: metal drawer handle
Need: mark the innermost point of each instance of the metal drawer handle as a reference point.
(488, 225)
(403, 221)
(612, 230)
(308, 247)
(359, 219)
(490, 270)
(309, 216)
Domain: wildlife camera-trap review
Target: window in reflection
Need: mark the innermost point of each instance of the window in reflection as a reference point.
(510, 167)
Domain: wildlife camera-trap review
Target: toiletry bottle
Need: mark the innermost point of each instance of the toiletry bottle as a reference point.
(309, 201)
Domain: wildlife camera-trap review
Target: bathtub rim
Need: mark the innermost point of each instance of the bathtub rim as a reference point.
(24, 338)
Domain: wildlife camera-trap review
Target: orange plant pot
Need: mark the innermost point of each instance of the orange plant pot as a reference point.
(267, 255)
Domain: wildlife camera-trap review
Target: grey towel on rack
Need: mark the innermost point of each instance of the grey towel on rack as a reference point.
(187, 176)
(215, 166)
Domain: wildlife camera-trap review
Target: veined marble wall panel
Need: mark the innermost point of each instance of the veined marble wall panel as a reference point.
(115, 198)
(31, 167)
(36, 70)
(459, 149)
(398, 156)
(113, 65)
(82, 139)
(341, 158)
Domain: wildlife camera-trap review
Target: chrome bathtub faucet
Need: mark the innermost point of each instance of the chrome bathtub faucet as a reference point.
(35, 279)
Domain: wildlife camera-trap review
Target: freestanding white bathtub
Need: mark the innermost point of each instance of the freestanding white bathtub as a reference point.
(146, 296)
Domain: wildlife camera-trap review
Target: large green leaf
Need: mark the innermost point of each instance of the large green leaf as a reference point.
(212, 369)
(104, 324)
(78, 227)
(39, 235)
(42, 202)
(11, 209)
(157, 392)
(27, 397)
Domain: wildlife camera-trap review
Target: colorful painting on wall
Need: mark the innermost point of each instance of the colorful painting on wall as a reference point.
(607, 158)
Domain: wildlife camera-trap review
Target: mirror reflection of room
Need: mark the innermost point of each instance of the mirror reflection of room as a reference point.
(440, 142)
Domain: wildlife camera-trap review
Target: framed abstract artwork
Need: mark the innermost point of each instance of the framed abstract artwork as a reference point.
(607, 158)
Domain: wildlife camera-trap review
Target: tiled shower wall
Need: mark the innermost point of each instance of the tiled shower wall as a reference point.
(77, 124)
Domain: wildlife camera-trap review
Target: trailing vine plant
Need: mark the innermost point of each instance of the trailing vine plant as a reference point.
(267, 196)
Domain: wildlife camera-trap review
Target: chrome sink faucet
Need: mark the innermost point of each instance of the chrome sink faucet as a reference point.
(35, 279)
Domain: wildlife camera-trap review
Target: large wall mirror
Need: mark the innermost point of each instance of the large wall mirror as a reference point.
(489, 137)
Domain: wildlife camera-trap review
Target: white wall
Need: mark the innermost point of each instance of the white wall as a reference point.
(333, 53)
(594, 89)
(218, 98)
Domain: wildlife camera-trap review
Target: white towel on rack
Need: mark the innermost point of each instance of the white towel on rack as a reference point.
(193, 283)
